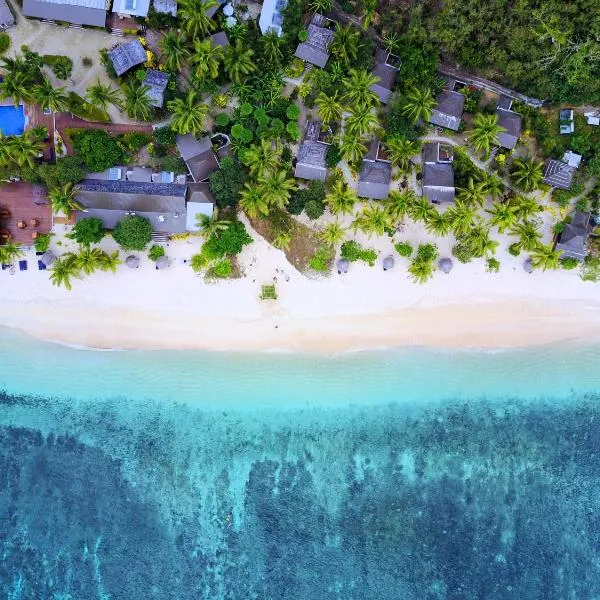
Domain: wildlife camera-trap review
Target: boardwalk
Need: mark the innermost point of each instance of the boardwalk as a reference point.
(18, 202)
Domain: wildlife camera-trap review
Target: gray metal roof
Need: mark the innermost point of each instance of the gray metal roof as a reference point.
(157, 82)
(219, 39)
(126, 56)
(198, 156)
(310, 163)
(315, 49)
(559, 174)
(449, 110)
(139, 174)
(199, 192)
(212, 11)
(79, 12)
(386, 75)
(438, 176)
(166, 6)
(573, 238)
(504, 102)
(511, 121)
(374, 180)
(7, 19)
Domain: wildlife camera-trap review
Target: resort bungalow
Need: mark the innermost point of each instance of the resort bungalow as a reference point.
(315, 49)
(449, 110)
(559, 173)
(79, 12)
(271, 16)
(566, 121)
(126, 56)
(573, 238)
(167, 7)
(131, 8)
(7, 19)
(385, 70)
(199, 201)
(310, 163)
(157, 82)
(198, 156)
(376, 173)
(438, 174)
(162, 204)
(509, 120)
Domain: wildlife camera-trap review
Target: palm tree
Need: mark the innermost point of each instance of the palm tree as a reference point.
(89, 259)
(474, 194)
(174, 47)
(188, 113)
(528, 234)
(504, 216)
(372, 219)
(352, 147)
(494, 186)
(398, 203)
(462, 217)
(271, 47)
(400, 151)
(485, 132)
(238, 61)
(110, 262)
(15, 86)
(276, 188)
(344, 44)
(341, 199)
(100, 96)
(362, 121)
(49, 98)
(193, 18)
(418, 104)
(369, 12)
(137, 101)
(10, 252)
(421, 270)
(211, 225)
(253, 201)
(526, 207)
(357, 89)
(320, 6)
(262, 158)
(206, 58)
(545, 257)
(527, 173)
(63, 200)
(479, 241)
(420, 209)
(438, 223)
(333, 233)
(329, 107)
(63, 269)
(22, 150)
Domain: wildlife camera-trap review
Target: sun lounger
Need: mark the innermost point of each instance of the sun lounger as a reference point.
(22, 265)
(5, 267)
(41, 266)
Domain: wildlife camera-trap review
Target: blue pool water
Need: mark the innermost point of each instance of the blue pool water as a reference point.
(404, 474)
(12, 120)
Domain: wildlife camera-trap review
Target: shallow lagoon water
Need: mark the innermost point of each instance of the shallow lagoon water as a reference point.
(412, 474)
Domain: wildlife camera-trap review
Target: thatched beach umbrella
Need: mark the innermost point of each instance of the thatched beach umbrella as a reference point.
(388, 263)
(528, 266)
(162, 262)
(133, 262)
(342, 266)
(445, 265)
(47, 258)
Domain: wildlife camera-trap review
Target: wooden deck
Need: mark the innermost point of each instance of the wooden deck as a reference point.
(19, 200)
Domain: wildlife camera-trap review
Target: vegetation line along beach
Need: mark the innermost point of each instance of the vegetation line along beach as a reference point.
(301, 174)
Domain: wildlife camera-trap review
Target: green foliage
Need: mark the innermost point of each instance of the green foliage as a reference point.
(88, 231)
(427, 252)
(134, 141)
(568, 263)
(292, 112)
(313, 195)
(96, 148)
(320, 261)
(155, 252)
(396, 124)
(293, 131)
(62, 66)
(333, 156)
(66, 170)
(222, 269)
(227, 183)
(404, 249)
(353, 251)
(241, 133)
(314, 209)
(222, 120)
(133, 233)
(492, 265)
(165, 136)
(590, 269)
(465, 169)
(42, 242)
(563, 197)
(4, 42)
(462, 252)
(228, 242)
(82, 109)
(514, 249)
(246, 109)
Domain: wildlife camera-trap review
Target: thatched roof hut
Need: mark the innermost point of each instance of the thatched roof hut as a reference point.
(342, 266)
(133, 262)
(445, 265)
(388, 263)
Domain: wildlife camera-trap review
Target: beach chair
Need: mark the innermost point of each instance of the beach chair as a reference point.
(41, 266)
(22, 265)
(6, 267)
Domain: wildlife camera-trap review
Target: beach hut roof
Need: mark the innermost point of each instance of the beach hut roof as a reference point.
(388, 263)
(528, 266)
(162, 262)
(48, 258)
(445, 265)
(342, 265)
(133, 262)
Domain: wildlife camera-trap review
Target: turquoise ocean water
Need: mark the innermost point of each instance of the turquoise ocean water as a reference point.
(400, 474)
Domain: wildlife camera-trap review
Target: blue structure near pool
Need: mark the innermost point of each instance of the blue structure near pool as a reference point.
(12, 120)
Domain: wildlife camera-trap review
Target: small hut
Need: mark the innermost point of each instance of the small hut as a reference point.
(388, 263)
(445, 265)
(528, 266)
(342, 266)
(133, 262)
(47, 258)
(162, 262)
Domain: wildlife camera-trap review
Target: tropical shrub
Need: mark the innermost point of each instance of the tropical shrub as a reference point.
(155, 252)
(320, 261)
(353, 251)
(42, 242)
(314, 209)
(88, 231)
(66, 170)
(133, 233)
(228, 242)
(222, 269)
(404, 249)
(62, 66)
(165, 136)
(96, 148)
(134, 141)
(333, 156)
(222, 120)
(227, 183)
(314, 194)
(492, 265)
(514, 249)
(569, 263)
(4, 42)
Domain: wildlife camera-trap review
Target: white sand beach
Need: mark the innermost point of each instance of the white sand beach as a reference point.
(365, 308)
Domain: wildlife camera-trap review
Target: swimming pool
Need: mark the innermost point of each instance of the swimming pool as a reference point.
(12, 120)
